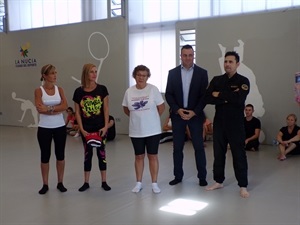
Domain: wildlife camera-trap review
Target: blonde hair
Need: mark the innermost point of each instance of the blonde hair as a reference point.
(85, 73)
(46, 70)
(292, 115)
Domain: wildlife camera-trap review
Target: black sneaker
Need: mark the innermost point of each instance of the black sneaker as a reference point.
(175, 181)
(84, 187)
(44, 189)
(61, 187)
(105, 186)
(202, 183)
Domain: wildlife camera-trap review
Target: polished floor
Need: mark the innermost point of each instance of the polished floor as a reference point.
(274, 187)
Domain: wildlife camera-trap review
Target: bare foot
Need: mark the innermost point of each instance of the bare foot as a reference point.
(244, 193)
(214, 187)
(282, 158)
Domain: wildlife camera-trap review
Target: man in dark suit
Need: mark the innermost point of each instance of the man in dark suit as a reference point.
(185, 93)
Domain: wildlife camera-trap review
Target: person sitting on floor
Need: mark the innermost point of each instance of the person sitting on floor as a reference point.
(288, 138)
(207, 129)
(71, 123)
(167, 134)
(111, 132)
(252, 129)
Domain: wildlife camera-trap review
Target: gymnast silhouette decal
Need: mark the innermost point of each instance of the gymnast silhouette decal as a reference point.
(27, 105)
(254, 97)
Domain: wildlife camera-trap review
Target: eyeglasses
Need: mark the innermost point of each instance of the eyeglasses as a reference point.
(140, 75)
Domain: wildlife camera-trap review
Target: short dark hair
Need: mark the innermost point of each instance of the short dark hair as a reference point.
(250, 105)
(187, 47)
(70, 109)
(233, 53)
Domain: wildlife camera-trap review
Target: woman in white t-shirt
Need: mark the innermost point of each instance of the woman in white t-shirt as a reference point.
(144, 104)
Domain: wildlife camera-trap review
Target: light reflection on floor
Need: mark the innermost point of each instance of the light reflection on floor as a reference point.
(184, 207)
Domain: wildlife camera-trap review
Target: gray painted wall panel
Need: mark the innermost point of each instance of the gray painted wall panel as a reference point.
(271, 57)
(66, 47)
(271, 53)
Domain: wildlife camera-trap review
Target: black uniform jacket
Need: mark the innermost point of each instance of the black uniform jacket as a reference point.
(231, 100)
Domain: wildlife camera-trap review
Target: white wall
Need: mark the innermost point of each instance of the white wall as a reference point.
(66, 47)
(271, 56)
(269, 46)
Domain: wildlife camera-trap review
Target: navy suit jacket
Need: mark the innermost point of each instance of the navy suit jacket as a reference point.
(174, 91)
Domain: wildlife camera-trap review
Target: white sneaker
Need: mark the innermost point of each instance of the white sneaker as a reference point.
(155, 188)
(138, 187)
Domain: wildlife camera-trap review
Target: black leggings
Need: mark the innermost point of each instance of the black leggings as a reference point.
(45, 136)
(88, 155)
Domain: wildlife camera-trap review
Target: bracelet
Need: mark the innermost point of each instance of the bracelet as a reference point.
(50, 109)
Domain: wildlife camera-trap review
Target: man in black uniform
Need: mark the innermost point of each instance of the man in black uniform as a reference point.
(228, 93)
(252, 129)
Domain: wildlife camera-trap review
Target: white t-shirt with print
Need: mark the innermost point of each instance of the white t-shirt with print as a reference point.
(144, 119)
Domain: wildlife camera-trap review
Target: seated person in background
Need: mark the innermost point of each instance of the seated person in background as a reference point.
(71, 124)
(111, 132)
(288, 138)
(252, 129)
(167, 134)
(207, 128)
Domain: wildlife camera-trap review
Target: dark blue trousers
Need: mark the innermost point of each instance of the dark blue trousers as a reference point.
(195, 125)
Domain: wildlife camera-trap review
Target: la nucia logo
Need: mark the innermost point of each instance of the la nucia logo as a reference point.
(25, 61)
